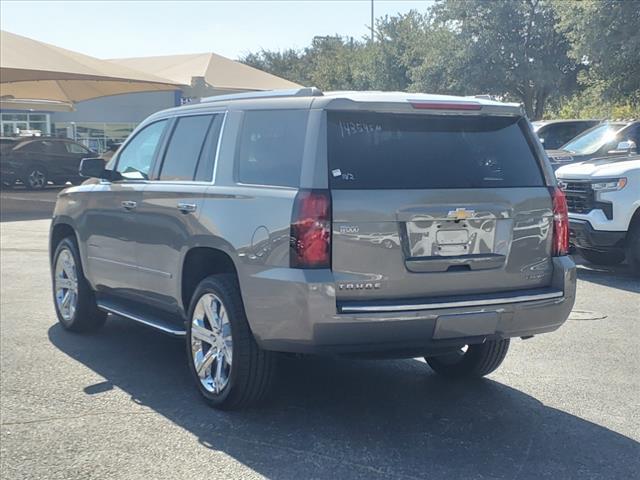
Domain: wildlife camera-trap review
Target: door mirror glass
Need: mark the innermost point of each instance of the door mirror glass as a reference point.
(94, 168)
(625, 146)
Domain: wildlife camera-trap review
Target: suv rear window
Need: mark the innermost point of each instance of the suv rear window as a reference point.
(395, 151)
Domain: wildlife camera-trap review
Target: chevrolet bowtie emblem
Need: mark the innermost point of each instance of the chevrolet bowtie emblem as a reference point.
(461, 213)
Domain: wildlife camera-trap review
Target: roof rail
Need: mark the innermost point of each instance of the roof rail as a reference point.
(293, 92)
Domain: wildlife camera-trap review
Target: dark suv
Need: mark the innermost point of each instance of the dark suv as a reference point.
(36, 161)
(394, 224)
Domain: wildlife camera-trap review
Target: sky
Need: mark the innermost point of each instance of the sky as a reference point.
(118, 29)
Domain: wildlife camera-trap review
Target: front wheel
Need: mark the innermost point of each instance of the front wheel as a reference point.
(633, 248)
(596, 257)
(471, 360)
(230, 370)
(73, 297)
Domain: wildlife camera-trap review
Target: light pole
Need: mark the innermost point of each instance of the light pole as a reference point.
(372, 21)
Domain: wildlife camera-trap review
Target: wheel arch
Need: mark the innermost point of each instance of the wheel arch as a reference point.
(59, 231)
(199, 262)
(635, 219)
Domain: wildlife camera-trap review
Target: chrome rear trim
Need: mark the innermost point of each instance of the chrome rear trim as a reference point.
(464, 303)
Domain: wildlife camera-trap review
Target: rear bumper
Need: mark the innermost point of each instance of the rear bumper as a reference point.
(583, 235)
(300, 315)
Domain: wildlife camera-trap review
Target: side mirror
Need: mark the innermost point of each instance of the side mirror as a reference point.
(94, 168)
(542, 141)
(625, 146)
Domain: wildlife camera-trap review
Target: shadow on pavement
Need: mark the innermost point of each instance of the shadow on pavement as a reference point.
(614, 276)
(341, 418)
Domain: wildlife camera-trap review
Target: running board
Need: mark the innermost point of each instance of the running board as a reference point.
(146, 319)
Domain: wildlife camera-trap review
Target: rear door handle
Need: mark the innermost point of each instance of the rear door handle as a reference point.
(129, 204)
(187, 207)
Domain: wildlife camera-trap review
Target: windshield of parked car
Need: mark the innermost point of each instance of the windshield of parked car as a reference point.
(592, 140)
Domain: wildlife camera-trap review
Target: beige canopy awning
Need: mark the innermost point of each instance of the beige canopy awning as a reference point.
(36, 105)
(216, 71)
(38, 71)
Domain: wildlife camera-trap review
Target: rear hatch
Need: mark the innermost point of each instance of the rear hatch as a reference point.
(436, 205)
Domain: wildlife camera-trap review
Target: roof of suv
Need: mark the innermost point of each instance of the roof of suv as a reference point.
(32, 138)
(311, 96)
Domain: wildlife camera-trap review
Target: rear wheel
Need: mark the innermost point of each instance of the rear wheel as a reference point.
(596, 257)
(36, 178)
(471, 360)
(230, 370)
(73, 297)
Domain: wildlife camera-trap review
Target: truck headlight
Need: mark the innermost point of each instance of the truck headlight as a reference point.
(609, 185)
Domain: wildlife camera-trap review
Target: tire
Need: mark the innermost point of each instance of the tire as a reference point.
(477, 361)
(387, 244)
(633, 248)
(596, 257)
(36, 178)
(82, 314)
(246, 380)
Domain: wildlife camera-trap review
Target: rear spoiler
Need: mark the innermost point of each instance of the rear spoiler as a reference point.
(429, 107)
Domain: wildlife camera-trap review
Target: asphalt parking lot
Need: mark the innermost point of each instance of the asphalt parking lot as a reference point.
(120, 403)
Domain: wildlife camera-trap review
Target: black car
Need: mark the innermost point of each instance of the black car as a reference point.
(36, 161)
(555, 133)
(604, 140)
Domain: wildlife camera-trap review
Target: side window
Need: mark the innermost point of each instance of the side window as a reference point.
(75, 148)
(271, 147)
(53, 147)
(136, 160)
(634, 135)
(185, 147)
(32, 147)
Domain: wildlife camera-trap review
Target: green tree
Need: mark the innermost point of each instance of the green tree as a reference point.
(398, 50)
(530, 51)
(605, 37)
(289, 64)
(510, 49)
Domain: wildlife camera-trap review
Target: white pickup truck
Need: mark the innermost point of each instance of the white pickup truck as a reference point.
(603, 196)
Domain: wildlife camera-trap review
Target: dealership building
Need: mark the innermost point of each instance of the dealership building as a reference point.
(98, 122)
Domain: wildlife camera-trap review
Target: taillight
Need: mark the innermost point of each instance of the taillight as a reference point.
(311, 230)
(560, 244)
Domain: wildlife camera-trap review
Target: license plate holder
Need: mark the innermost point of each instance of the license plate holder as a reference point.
(466, 325)
(452, 242)
(459, 236)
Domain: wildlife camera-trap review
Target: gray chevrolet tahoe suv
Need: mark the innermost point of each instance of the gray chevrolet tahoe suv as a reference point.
(388, 224)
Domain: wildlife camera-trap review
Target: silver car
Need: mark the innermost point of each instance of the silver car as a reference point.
(253, 224)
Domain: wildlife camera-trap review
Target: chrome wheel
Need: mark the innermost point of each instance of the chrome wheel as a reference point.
(66, 284)
(37, 179)
(211, 343)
